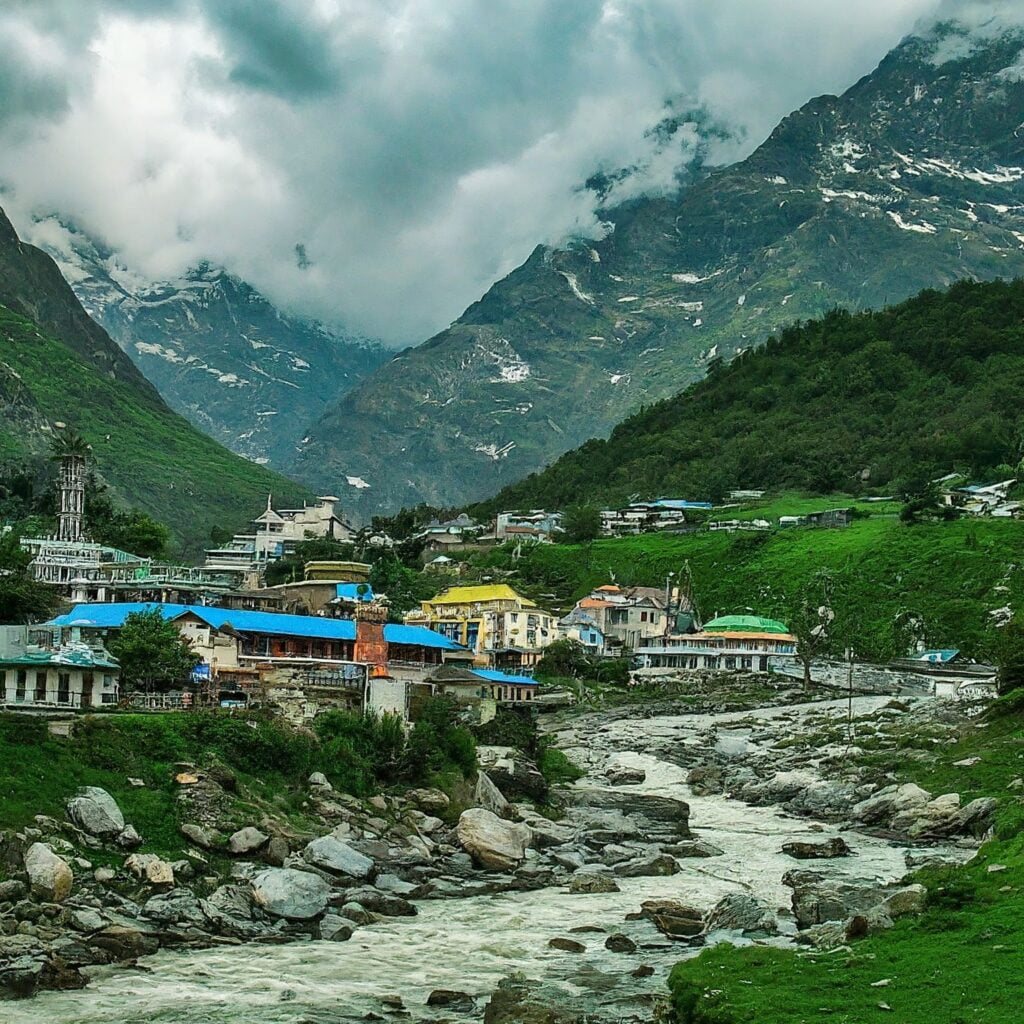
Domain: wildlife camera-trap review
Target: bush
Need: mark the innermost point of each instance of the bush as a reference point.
(438, 743)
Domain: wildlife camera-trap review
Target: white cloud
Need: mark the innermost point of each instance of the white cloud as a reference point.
(417, 149)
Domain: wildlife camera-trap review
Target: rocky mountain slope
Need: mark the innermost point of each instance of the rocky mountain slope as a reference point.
(217, 350)
(58, 365)
(876, 400)
(913, 178)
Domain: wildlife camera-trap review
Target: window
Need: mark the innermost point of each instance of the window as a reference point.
(63, 687)
(40, 694)
(19, 686)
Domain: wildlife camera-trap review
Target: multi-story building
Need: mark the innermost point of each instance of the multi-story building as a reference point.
(728, 643)
(503, 628)
(626, 616)
(249, 653)
(39, 672)
(275, 534)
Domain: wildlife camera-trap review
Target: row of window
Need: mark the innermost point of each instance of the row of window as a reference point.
(34, 688)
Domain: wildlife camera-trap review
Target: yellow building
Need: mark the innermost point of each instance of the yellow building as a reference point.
(503, 628)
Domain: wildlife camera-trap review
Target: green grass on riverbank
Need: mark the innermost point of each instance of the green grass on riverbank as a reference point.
(263, 762)
(962, 962)
(887, 575)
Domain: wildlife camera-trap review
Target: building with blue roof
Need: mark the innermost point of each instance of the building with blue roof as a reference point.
(240, 649)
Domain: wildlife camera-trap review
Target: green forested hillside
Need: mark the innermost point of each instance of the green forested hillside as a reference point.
(151, 457)
(864, 402)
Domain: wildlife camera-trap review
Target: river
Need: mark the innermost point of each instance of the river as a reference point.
(471, 944)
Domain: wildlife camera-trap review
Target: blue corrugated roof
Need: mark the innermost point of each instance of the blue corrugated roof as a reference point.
(112, 616)
(501, 677)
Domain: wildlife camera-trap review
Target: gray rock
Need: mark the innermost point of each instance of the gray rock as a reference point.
(335, 928)
(458, 1002)
(203, 837)
(332, 855)
(430, 801)
(150, 868)
(277, 851)
(694, 848)
(384, 903)
(96, 812)
(247, 840)
(392, 883)
(289, 893)
(513, 772)
(621, 775)
(487, 795)
(656, 865)
(619, 943)
(817, 900)
(177, 907)
(129, 838)
(104, 875)
(491, 841)
(806, 850)
(12, 890)
(587, 884)
(567, 945)
(739, 912)
(49, 876)
(320, 780)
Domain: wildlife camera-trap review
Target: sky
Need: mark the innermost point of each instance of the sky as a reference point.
(379, 163)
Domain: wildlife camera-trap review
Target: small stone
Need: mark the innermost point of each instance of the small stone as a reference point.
(587, 884)
(993, 868)
(129, 838)
(104, 875)
(319, 780)
(800, 850)
(567, 945)
(460, 1002)
(247, 840)
(150, 868)
(200, 836)
(277, 851)
(137, 783)
(335, 928)
(619, 943)
(643, 971)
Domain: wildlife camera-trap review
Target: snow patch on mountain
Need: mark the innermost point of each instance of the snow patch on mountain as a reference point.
(923, 228)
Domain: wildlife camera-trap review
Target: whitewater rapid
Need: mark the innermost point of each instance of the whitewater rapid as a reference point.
(470, 944)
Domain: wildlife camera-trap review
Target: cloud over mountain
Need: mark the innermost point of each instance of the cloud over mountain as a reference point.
(413, 150)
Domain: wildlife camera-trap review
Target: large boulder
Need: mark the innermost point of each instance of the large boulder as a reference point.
(740, 912)
(631, 814)
(49, 875)
(817, 899)
(491, 841)
(95, 811)
(332, 855)
(289, 893)
(513, 772)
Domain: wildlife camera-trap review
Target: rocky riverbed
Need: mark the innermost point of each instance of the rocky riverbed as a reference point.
(686, 829)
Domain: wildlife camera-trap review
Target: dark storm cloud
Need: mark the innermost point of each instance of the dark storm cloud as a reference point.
(414, 149)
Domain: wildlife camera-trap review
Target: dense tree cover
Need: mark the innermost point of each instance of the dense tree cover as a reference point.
(152, 653)
(22, 599)
(849, 402)
(581, 523)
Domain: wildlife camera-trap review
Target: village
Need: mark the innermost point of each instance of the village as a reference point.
(328, 641)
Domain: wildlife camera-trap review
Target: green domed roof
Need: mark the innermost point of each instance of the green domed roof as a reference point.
(745, 624)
